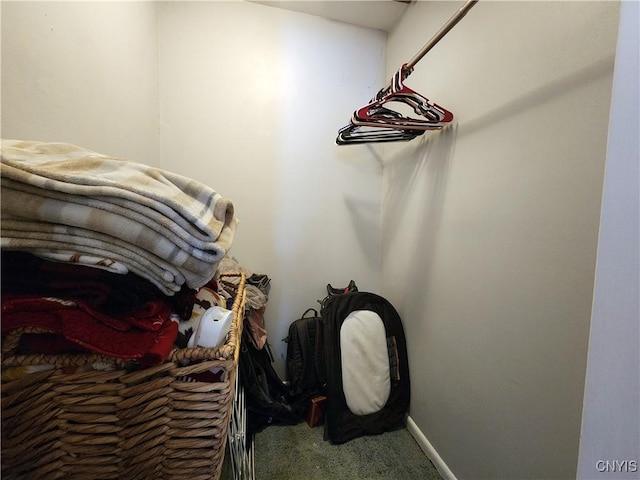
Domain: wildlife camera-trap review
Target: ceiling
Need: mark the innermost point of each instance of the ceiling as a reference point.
(379, 14)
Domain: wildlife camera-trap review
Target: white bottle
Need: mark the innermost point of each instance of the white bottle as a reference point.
(213, 328)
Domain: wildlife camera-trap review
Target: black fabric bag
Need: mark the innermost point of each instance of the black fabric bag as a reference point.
(305, 360)
(267, 396)
(368, 386)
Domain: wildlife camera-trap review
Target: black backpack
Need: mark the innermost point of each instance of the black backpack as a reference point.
(305, 360)
(368, 386)
(305, 364)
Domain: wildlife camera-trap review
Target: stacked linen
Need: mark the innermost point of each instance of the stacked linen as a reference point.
(55, 308)
(102, 255)
(65, 203)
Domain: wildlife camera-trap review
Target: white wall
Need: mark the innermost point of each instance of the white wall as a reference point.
(610, 441)
(84, 73)
(490, 229)
(252, 98)
(244, 97)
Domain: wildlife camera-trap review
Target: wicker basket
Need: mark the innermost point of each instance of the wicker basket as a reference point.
(147, 424)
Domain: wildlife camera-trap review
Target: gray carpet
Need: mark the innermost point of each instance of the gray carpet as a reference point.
(300, 453)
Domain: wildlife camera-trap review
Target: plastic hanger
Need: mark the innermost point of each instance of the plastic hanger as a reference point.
(377, 113)
(354, 133)
(366, 134)
(376, 122)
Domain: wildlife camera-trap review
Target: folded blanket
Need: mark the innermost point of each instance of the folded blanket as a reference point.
(76, 245)
(179, 220)
(146, 335)
(113, 294)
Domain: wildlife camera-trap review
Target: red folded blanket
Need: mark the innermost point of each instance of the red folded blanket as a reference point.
(146, 335)
(103, 291)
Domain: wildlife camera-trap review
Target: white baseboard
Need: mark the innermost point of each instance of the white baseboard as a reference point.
(428, 450)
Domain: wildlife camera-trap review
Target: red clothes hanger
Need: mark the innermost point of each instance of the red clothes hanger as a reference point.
(431, 115)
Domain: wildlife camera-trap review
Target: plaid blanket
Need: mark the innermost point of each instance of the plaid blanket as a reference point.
(60, 199)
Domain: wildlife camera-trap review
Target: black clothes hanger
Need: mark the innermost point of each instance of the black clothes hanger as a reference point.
(364, 134)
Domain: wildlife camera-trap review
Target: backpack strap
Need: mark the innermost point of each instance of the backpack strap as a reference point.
(321, 369)
(315, 313)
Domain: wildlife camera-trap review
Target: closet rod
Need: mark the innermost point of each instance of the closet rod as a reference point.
(462, 11)
(408, 68)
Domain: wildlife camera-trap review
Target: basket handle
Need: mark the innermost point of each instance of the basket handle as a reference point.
(10, 359)
(11, 341)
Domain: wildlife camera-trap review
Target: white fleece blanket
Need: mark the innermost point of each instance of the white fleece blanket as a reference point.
(166, 227)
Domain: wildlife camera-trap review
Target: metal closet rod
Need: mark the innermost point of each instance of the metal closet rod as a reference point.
(462, 11)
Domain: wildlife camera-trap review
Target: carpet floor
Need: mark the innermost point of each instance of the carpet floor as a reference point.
(299, 453)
